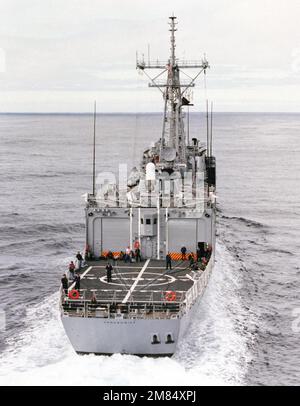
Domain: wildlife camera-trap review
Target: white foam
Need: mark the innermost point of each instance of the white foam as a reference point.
(216, 343)
(213, 352)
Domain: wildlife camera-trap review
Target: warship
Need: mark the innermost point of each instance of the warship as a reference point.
(156, 228)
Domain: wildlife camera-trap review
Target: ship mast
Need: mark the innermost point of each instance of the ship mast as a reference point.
(173, 142)
(172, 94)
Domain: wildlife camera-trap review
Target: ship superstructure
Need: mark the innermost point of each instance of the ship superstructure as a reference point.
(165, 208)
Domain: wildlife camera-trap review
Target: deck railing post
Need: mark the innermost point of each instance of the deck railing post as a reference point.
(130, 229)
(158, 227)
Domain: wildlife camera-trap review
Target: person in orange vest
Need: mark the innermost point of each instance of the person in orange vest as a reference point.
(138, 257)
(110, 255)
(87, 254)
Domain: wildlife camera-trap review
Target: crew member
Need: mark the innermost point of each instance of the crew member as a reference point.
(87, 254)
(136, 244)
(208, 252)
(183, 253)
(195, 266)
(77, 281)
(110, 255)
(200, 251)
(109, 269)
(79, 259)
(65, 283)
(71, 269)
(168, 261)
(94, 301)
(199, 255)
(191, 259)
(138, 257)
(127, 255)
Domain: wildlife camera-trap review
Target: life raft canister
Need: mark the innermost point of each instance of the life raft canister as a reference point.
(74, 294)
(170, 296)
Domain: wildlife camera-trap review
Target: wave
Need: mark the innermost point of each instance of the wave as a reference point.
(15, 276)
(43, 175)
(31, 246)
(248, 222)
(42, 228)
(54, 175)
(278, 251)
(14, 267)
(223, 337)
(214, 350)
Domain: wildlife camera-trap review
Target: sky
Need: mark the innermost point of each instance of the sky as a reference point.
(61, 55)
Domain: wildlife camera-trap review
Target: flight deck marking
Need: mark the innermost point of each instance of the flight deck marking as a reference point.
(164, 280)
(189, 276)
(136, 267)
(81, 277)
(136, 282)
(162, 267)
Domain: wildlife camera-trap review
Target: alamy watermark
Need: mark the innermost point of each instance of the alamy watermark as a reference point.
(177, 189)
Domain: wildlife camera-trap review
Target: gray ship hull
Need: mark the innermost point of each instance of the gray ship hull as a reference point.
(101, 336)
(106, 336)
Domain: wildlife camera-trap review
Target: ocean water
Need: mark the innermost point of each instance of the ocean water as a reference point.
(247, 329)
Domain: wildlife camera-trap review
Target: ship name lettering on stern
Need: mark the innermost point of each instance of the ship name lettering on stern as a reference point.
(114, 395)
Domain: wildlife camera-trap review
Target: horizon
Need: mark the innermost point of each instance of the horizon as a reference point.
(115, 113)
(59, 56)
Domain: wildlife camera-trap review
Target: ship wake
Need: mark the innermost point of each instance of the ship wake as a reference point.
(214, 351)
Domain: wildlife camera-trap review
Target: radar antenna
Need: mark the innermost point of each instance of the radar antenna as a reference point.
(94, 152)
(173, 142)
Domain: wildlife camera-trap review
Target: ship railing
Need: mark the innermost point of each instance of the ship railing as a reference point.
(164, 83)
(174, 200)
(196, 291)
(112, 307)
(135, 311)
(61, 297)
(164, 64)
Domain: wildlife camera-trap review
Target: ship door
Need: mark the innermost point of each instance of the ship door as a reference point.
(147, 248)
(115, 234)
(96, 240)
(182, 233)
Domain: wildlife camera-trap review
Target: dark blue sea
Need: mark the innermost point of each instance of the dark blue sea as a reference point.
(247, 329)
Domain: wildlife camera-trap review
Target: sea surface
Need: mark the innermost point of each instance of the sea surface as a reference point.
(247, 328)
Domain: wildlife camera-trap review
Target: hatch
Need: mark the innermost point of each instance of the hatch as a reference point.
(182, 233)
(115, 234)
